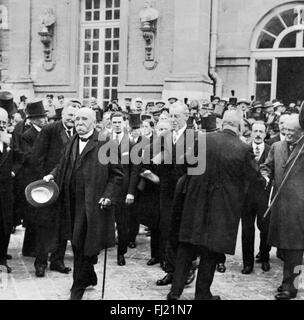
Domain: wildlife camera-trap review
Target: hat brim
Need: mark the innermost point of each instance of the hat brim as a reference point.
(36, 115)
(41, 194)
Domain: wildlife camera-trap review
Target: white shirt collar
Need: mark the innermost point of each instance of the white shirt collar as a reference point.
(180, 132)
(282, 137)
(36, 127)
(1, 146)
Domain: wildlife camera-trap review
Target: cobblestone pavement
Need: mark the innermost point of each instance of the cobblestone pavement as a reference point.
(135, 281)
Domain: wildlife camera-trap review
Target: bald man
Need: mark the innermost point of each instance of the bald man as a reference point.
(47, 150)
(87, 192)
(286, 230)
(212, 206)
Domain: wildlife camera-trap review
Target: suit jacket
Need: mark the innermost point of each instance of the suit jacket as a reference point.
(214, 200)
(49, 146)
(273, 140)
(286, 230)
(100, 180)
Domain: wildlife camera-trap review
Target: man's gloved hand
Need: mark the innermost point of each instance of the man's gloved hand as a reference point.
(129, 199)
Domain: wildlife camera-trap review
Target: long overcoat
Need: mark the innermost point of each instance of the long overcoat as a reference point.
(214, 200)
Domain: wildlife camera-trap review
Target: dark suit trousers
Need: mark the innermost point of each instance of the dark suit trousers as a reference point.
(4, 241)
(29, 241)
(133, 224)
(122, 224)
(155, 243)
(292, 260)
(250, 214)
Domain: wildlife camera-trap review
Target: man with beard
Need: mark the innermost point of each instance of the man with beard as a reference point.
(47, 150)
(87, 190)
(255, 206)
(38, 119)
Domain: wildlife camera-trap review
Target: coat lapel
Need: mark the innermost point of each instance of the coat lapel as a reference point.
(5, 154)
(90, 145)
(295, 151)
(284, 152)
(63, 135)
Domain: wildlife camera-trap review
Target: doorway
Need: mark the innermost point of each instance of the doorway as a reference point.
(290, 80)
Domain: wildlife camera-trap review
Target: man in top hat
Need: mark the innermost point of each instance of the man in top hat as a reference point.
(38, 119)
(22, 105)
(88, 189)
(47, 150)
(255, 207)
(127, 193)
(50, 106)
(128, 104)
(9, 161)
(99, 120)
(7, 102)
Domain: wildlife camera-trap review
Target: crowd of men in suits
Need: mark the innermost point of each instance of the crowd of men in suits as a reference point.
(251, 152)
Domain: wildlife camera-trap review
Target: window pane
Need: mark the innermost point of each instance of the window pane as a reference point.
(116, 32)
(265, 41)
(108, 3)
(86, 81)
(88, 16)
(108, 15)
(88, 34)
(114, 82)
(105, 104)
(96, 34)
(289, 17)
(87, 57)
(96, 4)
(94, 93)
(86, 93)
(96, 15)
(116, 14)
(87, 46)
(106, 94)
(116, 45)
(108, 57)
(275, 26)
(94, 82)
(263, 70)
(115, 57)
(106, 82)
(263, 92)
(108, 33)
(289, 41)
(87, 70)
(117, 3)
(107, 69)
(95, 69)
(115, 69)
(95, 45)
(108, 45)
(114, 94)
(95, 57)
(88, 4)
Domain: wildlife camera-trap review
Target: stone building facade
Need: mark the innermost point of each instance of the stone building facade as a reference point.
(153, 49)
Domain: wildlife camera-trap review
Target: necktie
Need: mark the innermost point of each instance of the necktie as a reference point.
(174, 137)
(257, 152)
(117, 139)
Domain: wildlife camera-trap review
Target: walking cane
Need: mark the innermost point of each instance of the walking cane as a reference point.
(283, 182)
(104, 273)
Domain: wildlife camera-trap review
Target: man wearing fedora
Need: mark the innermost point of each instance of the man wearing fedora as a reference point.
(37, 117)
(88, 188)
(47, 149)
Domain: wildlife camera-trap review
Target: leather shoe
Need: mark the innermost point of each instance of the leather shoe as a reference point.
(29, 254)
(153, 261)
(60, 267)
(191, 277)
(172, 297)
(40, 271)
(265, 266)
(280, 288)
(258, 256)
(168, 278)
(132, 245)
(285, 295)
(77, 293)
(215, 298)
(247, 270)
(221, 268)
(121, 260)
(93, 280)
(280, 254)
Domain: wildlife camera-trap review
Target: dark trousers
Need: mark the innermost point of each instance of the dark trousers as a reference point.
(122, 224)
(42, 248)
(4, 241)
(133, 224)
(293, 263)
(29, 241)
(249, 216)
(206, 269)
(221, 258)
(155, 243)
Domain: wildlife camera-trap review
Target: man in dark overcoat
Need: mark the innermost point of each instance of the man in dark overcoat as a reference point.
(88, 188)
(213, 204)
(286, 230)
(47, 151)
(38, 119)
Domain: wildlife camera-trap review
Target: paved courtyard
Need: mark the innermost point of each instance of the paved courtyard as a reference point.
(135, 281)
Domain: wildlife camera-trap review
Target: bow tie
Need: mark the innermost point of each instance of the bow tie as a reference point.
(84, 139)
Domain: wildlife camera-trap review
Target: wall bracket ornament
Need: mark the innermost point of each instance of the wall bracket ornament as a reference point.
(47, 22)
(148, 19)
